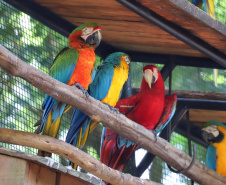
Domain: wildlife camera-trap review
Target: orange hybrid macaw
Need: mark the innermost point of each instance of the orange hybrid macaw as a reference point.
(73, 66)
(149, 108)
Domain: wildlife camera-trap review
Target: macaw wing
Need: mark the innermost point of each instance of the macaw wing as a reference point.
(102, 82)
(97, 89)
(62, 70)
(197, 3)
(127, 104)
(211, 157)
(64, 65)
(77, 120)
(168, 112)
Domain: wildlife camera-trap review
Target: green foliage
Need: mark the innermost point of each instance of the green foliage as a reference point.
(220, 9)
(36, 44)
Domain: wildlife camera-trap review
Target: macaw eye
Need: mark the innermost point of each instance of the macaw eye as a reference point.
(87, 30)
(127, 59)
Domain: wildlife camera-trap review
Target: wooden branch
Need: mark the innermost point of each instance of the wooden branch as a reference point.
(86, 161)
(117, 122)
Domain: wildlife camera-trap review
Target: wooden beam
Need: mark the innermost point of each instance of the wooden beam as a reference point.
(101, 113)
(198, 115)
(199, 95)
(194, 94)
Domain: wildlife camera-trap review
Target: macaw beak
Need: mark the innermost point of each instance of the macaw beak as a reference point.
(148, 76)
(207, 136)
(94, 38)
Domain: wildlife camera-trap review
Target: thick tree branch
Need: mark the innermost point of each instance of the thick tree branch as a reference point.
(119, 123)
(72, 153)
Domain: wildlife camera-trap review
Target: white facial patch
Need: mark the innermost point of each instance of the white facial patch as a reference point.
(126, 58)
(212, 129)
(155, 73)
(87, 31)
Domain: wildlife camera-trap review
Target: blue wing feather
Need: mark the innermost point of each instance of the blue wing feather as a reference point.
(97, 89)
(62, 70)
(211, 157)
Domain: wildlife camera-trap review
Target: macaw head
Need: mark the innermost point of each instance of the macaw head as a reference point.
(117, 59)
(211, 133)
(151, 75)
(86, 35)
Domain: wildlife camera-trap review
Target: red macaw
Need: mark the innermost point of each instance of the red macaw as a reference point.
(73, 66)
(149, 108)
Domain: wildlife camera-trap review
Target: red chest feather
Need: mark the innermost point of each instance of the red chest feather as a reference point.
(150, 108)
(84, 66)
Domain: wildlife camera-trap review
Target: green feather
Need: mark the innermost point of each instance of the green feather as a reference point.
(213, 122)
(88, 24)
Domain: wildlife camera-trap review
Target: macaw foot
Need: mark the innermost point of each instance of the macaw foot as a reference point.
(38, 130)
(155, 133)
(112, 108)
(83, 89)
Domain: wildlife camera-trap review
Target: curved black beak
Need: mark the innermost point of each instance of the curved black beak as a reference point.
(94, 39)
(207, 136)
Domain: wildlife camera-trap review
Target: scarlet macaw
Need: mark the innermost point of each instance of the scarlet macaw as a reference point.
(149, 108)
(106, 87)
(73, 66)
(213, 132)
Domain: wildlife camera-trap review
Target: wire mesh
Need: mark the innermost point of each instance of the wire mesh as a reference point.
(158, 170)
(185, 78)
(20, 102)
(220, 9)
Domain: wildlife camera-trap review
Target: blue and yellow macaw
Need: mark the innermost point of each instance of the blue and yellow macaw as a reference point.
(214, 132)
(74, 65)
(106, 87)
(209, 8)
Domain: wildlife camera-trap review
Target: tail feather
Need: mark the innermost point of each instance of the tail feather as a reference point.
(51, 129)
(114, 156)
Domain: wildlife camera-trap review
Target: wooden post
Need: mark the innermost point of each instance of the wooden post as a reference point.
(101, 113)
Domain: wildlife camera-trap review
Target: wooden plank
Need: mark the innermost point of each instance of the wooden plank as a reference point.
(197, 115)
(53, 166)
(125, 30)
(69, 180)
(12, 170)
(39, 175)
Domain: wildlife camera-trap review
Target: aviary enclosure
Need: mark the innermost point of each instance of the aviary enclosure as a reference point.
(37, 44)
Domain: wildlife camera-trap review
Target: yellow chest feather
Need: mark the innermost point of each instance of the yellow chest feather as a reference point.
(119, 78)
(221, 153)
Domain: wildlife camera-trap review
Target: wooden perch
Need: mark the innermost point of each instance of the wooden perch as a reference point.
(86, 161)
(101, 113)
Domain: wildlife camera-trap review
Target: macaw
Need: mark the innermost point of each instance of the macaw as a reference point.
(214, 132)
(106, 87)
(209, 8)
(149, 108)
(74, 65)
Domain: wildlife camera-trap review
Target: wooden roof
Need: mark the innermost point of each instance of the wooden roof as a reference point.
(126, 30)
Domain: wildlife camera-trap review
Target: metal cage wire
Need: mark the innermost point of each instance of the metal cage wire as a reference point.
(20, 102)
